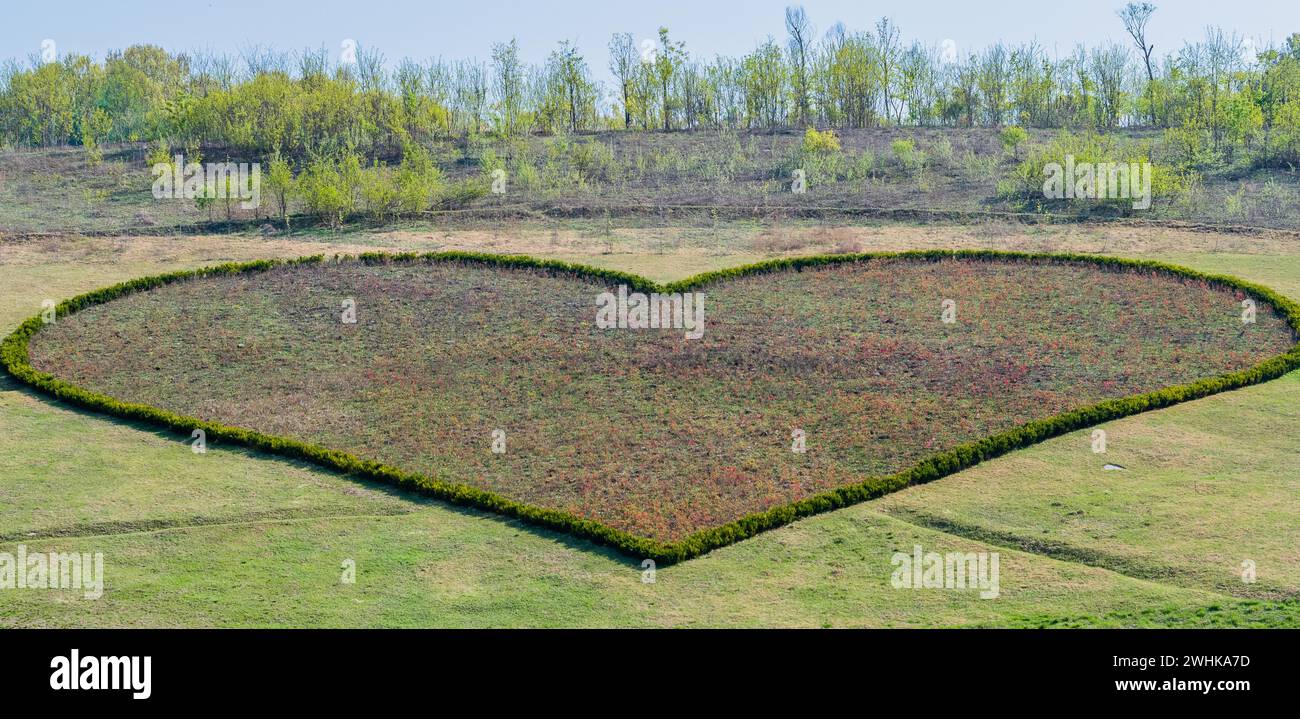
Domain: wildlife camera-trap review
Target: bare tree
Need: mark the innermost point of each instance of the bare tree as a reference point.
(370, 69)
(993, 78)
(1222, 57)
(471, 93)
(801, 31)
(214, 71)
(623, 60)
(1135, 17)
(1109, 66)
(572, 83)
(508, 81)
(313, 64)
(887, 49)
(261, 59)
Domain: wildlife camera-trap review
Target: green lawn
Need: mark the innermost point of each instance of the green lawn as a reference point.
(233, 539)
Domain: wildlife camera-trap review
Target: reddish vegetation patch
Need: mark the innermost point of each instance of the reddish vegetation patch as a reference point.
(646, 431)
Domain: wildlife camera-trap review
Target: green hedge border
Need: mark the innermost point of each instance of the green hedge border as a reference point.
(16, 359)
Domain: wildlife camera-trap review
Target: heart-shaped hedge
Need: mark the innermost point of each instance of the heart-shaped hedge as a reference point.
(658, 444)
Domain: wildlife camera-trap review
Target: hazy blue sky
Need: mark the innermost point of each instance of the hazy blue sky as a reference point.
(467, 28)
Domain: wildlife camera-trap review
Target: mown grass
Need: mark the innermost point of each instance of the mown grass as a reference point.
(453, 568)
(440, 567)
(1206, 487)
(1245, 614)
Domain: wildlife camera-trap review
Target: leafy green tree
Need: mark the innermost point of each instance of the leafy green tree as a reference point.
(95, 126)
(764, 82)
(282, 184)
(570, 89)
(508, 80)
(667, 63)
(1012, 137)
(799, 46)
(624, 62)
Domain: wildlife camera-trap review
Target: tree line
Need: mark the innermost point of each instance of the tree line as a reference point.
(1217, 94)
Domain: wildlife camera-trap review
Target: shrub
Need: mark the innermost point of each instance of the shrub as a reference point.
(824, 167)
(95, 126)
(823, 142)
(526, 174)
(490, 161)
(326, 191)
(1012, 137)
(464, 193)
(160, 153)
(591, 159)
(280, 182)
(378, 190)
(419, 183)
(1187, 145)
(941, 149)
(980, 166)
(1235, 204)
(1026, 181)
(1283, 146)
(204, 198)
(907, 156)
(862, 166)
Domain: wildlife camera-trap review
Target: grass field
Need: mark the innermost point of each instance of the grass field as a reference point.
(231, 538)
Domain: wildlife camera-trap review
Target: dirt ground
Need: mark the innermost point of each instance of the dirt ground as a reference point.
(738, 239)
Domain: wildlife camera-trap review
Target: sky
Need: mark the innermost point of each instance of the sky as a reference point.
(468, 28)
